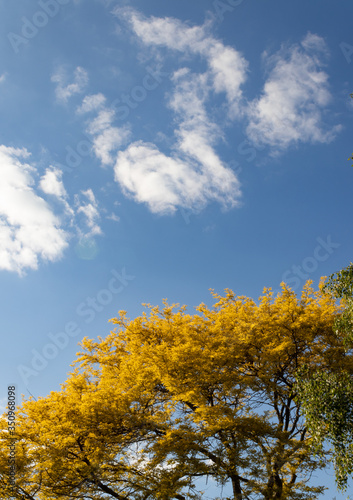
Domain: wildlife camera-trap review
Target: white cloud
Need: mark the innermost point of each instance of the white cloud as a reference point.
(63, 90)
(229, 73)
(102, 121)
(108, 141)
(29, 230)
(165, 183)
(52, 184)
(3, 77)
(151, 177)
(90, 211)
(313, 42)
(169, 32)
(91, 103)
(227, 67)
(290, 108)
(106, 138)
(90, 196)
(113, 217)
(193, 174)
(196, 137)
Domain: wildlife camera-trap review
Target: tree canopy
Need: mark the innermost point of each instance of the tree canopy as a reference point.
(327, 395)
(171, 397)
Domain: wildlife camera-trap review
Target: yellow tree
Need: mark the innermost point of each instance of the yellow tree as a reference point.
(171, 397)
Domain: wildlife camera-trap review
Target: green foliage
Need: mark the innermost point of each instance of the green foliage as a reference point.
(340, 286)
(326, 395)
(327, 402)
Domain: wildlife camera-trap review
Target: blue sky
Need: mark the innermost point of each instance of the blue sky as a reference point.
(156, 149)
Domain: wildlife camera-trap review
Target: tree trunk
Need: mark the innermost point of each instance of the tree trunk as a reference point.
(236, 488)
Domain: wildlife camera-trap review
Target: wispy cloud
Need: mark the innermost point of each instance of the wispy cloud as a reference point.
(227, 67)
(87, 205)
(109, 141)
(290, 109)
(66, 90)
(193, 174)
(113, 217)
(29, 230)
(101, 122)
(51, 183)
(106, 138)
(3, 77)
(91, 103)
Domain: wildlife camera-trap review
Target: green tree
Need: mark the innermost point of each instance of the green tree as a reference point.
(170, 397)
(327, 396)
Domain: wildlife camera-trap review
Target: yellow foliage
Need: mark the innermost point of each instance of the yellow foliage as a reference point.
(170, 396)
